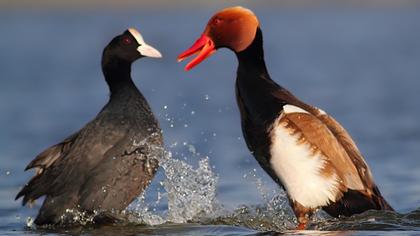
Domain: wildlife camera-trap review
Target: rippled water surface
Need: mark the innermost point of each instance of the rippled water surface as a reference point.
(360, 65)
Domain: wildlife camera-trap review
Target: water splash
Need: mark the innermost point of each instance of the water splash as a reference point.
(74, 216)
(190, 192)
(191, 196)
(274, 214)
(143, 212)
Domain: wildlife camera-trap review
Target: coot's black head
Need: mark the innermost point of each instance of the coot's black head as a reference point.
(128, 47)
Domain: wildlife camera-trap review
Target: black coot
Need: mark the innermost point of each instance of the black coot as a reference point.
(104, 166)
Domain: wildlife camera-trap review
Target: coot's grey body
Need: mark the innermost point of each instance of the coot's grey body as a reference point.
(112, 159)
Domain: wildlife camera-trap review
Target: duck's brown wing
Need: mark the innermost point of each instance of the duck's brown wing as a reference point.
(350, 147)
(321, 140)
(371, 197)
(358, 191)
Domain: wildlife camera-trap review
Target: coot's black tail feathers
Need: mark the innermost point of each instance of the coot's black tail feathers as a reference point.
(46, 158)
(38, 185)
(32, 190)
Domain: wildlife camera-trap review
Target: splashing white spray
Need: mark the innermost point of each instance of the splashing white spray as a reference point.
(190, 192)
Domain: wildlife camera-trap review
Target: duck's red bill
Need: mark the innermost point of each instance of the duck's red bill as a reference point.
(204, 46)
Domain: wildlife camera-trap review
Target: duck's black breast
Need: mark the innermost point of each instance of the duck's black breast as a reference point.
(260, 101)
(258, 110)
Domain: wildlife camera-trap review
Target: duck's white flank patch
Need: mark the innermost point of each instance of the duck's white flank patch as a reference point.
(136, 35)
(293, 109)
(299, 169)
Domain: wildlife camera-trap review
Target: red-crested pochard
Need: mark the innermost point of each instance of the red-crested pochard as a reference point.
(302, 148)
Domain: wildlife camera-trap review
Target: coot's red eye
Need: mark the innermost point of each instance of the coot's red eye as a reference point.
(127, 40)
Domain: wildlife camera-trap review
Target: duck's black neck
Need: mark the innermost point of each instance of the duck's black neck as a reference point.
(117, 74)
(256, 91)
(251, 60)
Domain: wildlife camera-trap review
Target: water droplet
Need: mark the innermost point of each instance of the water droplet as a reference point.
(29, 221)
(206, 97)
(192, 112)
(185, 125)
(7, 172)
(165, 107)
(191, 149)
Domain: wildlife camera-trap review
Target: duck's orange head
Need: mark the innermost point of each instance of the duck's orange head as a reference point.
(233, 27)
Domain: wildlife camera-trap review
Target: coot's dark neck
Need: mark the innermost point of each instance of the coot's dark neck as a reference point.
(117, 74)
(251, 60)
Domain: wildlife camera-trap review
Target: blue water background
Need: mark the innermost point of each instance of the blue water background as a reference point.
(360, 65)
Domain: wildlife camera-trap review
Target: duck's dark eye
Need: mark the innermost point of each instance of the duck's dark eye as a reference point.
(127, 41)
(216, 21)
